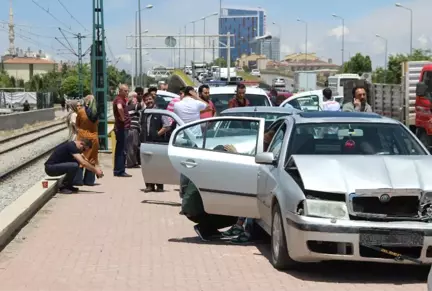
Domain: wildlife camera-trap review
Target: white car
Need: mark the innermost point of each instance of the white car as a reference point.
(220, 96)
(256, 73)
(163, 98)
(309, 100)
(279, 82)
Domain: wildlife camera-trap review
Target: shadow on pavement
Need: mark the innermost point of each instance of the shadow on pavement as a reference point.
(355, 272)
(166, 203)
(197, 240)
(89, 192)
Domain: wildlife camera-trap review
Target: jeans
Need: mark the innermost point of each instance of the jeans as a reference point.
(120, 151)
(247, 223)
(68, 169)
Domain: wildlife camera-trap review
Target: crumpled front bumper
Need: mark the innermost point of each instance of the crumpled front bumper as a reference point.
(311, 239)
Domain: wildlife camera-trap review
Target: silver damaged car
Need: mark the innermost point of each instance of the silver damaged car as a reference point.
(323, 185)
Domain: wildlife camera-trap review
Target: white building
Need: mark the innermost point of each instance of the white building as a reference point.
(25, 68)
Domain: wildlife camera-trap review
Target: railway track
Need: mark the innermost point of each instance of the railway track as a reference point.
(15, 142)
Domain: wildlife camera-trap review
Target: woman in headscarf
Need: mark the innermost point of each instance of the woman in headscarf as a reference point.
(87, 124)
(71, 119)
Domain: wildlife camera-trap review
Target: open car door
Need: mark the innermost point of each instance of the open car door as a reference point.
(221, 162)
(155, 164)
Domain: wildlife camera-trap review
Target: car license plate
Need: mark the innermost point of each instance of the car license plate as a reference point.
(391, 238)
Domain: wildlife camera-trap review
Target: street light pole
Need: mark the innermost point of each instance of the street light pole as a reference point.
(343, 36)
(411, 24)
(140, 40)
(204, 38)
(306, 39)
(185, 50)
(385, 56)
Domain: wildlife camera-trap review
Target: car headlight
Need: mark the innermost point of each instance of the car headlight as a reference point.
(326, 209)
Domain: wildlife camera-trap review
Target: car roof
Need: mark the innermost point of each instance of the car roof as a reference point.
(263, 109)
(340, 116)
(166, 94)
(307, 93)
(232, 89)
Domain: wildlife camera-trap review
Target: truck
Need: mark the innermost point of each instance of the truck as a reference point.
(409, 102)
(336, 83)
(305, 81)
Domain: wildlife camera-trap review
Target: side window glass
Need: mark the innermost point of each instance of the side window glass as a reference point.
(308, 103)
(276, 144)
(156, 128)
(294, 103)
(230, 135)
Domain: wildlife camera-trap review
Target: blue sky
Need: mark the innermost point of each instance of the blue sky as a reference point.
(36, 28)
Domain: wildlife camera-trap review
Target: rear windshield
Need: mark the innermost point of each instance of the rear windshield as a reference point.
(221, 100)
(353, 139)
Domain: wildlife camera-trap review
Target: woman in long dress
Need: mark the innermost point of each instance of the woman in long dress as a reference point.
(87, 124)
(71, 119)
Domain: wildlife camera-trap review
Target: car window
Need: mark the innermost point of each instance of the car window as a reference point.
(233, 136)
(276, 143)
(151, 123)
(353, 138)
(306, 103)
(269, 117)
(221, 100)
(162, 101)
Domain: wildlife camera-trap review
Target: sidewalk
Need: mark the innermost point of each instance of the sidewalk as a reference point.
(116, 237)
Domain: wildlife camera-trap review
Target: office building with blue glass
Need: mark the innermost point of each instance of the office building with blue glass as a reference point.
(245, 24)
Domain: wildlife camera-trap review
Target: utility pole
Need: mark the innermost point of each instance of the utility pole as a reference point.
(185, 50)
(99, 73)
(179, 50)
(79, 54)
(213, 45)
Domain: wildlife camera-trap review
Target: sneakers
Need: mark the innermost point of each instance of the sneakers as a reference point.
(235, 230)
(241, 239)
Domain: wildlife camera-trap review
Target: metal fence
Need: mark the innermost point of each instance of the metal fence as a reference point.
(44, 100)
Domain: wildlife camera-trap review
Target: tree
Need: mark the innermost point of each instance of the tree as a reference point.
(394, 73)
(358, 64)
(70, 87)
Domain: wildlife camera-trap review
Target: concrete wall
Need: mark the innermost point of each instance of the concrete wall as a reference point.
(18, 120)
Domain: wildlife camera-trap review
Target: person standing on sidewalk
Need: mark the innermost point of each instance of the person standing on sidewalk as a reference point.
(133, 142)
(156, 129)
(66, 160)
(121, 128)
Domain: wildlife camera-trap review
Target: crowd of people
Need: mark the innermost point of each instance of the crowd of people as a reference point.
(78, 158)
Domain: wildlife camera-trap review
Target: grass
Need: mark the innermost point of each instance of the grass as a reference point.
(184, 77)
(248, 77)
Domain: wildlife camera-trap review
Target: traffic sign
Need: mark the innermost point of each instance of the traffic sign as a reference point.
(170, 41)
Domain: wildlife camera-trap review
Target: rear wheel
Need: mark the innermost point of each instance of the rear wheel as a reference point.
(279, 250)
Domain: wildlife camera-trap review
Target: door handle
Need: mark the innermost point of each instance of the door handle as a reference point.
(147, 153)
(189, 164)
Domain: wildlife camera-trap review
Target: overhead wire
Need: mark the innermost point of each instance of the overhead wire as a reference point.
(70, 14)
(52, 15)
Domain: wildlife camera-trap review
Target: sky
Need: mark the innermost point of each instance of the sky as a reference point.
(38, 21)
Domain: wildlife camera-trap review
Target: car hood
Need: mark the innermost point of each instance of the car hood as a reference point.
(345, 174)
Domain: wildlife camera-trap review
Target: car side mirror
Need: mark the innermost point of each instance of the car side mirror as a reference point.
(265, 158)
(421, 89)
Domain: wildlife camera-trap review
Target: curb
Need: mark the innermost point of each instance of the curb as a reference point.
(15, 216)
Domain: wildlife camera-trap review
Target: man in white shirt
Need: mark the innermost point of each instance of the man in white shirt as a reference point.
(329, 104)
(188, 109)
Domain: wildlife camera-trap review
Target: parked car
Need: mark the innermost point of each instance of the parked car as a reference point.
(331, 186)
(279, 82)
(256, 73)
(309, 100)
(220, 96)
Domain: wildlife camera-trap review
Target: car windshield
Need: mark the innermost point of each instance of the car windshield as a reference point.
(269, 117)
(353, 139)
(221, 100)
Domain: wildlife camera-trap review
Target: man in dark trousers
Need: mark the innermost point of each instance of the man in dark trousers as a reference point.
(155, 128)
(26, 106)
(121, 127)
(65, 160)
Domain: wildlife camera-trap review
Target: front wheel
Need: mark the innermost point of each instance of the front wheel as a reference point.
(279, 250)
